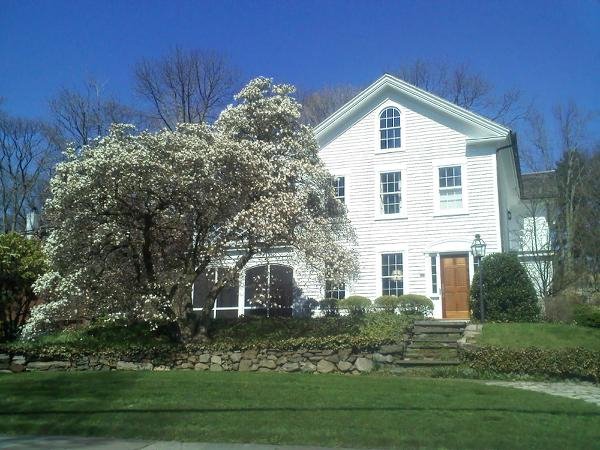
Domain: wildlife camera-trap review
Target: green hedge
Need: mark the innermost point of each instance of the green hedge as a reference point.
(587, 315)
(563, 363)
(362, 333)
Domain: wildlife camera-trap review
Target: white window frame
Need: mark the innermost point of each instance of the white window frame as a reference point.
(386, 128)
(377, 130)
(213, 311)
(430, 293)
(345, 289)
(387, 249)
(347, 183)
(437, 165)
(379, 215)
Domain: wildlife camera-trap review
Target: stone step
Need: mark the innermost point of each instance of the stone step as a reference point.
(438, 344)
(433, 341)
(430, 351)
(437, 337)
(441, 323)
(440, 356)
(426, 362)
(435, 330)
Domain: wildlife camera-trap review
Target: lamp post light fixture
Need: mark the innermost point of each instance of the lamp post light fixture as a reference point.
(478, 250)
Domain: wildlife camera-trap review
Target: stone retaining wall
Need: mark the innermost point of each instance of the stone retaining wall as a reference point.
(311, 361)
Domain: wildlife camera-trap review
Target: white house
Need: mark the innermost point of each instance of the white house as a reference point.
(420, 177)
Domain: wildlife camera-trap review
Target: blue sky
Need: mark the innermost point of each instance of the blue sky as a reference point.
(548, 49)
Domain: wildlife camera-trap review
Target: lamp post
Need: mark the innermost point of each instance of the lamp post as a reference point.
(478, 251)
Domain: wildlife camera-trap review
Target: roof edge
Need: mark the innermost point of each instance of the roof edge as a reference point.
(418, 94)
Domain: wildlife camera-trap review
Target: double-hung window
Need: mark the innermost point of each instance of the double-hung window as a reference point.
(389, 128)
(335, 290)
(390, 192)
(392, 276)
(450, 187)
(339, 188)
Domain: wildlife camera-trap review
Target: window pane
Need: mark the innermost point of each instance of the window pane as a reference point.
(392, 280)
(389, 124)
(272, 292)
(202, 286)
(339, 187)
(450, 187)
(256, 286)
(281, 288)
(451, 198)
(390, 192)
(332, 290)
(226, 313)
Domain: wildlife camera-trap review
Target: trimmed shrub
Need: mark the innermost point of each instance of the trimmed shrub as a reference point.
(508, 292)
(587, 315)
(387, 303)
(413, 305)
(355, 305)
(564, 363)
(329, 307)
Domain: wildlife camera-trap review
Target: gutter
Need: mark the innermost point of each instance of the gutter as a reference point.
(512, 138)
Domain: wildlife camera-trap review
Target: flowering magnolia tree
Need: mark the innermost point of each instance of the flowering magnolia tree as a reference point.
(136, 217)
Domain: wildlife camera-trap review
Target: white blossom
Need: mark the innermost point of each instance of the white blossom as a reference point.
(136, 217)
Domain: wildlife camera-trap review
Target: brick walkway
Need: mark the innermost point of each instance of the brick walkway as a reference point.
(588, 392)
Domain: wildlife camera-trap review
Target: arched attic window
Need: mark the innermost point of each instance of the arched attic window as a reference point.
(389, 128)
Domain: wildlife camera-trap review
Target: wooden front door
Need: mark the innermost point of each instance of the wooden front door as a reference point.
(455, 286)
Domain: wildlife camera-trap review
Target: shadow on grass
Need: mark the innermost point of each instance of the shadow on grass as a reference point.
(292, 409)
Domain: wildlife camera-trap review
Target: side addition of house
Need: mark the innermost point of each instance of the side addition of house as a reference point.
(419, 177)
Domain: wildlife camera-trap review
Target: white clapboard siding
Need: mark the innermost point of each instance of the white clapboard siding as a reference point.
(355, 154)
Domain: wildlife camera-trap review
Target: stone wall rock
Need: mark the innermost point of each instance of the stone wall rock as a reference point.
(347, 361)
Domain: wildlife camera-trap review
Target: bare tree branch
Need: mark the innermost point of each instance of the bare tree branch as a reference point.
(26, 160)
(186, 86)
(319, 104)
(80, 116)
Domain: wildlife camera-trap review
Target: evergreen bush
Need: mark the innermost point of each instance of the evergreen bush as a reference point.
(508, 293)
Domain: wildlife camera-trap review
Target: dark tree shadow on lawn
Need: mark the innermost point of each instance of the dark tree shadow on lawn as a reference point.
(295, 410)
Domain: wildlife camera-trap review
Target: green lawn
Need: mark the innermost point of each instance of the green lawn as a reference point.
(328, 410)
(543, 335)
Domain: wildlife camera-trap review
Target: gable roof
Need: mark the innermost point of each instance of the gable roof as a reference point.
(477, 128)
(481, 127)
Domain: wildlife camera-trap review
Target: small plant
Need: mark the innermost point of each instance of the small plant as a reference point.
(416, 305)
(508, 292)
(329, 307)
(387, 303)
(355, 305)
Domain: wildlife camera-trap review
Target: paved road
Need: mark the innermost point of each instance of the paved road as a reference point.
(87, 443)
(588, 392)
